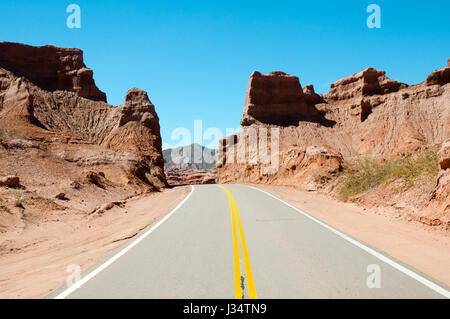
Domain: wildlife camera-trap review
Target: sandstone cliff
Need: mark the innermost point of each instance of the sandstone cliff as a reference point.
(51, 68)
(277, 98)
(57, 133)
(366, 114)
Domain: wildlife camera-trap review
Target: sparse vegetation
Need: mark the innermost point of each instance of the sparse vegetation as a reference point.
(10, 137)
(3, 198)
(6, 132)
(4, 129)
(366, 173)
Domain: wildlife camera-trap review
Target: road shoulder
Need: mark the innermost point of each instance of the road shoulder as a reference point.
(425, 250)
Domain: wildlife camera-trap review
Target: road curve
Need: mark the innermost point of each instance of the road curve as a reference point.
(235, 241)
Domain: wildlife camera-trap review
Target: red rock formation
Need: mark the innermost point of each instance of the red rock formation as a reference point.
(440, 76)
(441, 194)
(187, 176)
(51, 68)
(365, 83)
(277, 98)
(310, 95)
(374, 115)
(122, 144)
(397, 120)
(444, 156)
(138, 132)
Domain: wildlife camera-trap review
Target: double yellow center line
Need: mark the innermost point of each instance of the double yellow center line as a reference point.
(238, 287)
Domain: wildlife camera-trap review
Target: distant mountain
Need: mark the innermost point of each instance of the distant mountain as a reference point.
(194, 156)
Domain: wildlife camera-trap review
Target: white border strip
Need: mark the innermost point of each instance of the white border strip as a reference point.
(95, 272)
(382, 257)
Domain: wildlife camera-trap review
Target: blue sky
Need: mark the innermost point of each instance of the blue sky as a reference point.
(194, 57)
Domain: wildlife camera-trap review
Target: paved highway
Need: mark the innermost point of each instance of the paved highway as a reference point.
(235, 241)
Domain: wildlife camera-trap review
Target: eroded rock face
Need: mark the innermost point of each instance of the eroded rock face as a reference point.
(374, 116)
(277, 98)
(139, 108)
(311, 96)
(10, 181)
(365, 83)
(51, 68)
(444, 155)
(138, 132)
(304, 165)
(187, 176)
(440, 76)
(440, 198)
(78, 134)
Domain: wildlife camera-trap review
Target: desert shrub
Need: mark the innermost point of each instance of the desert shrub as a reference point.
(3, 133)
(365, 173)
(6, 132)
(3, 198)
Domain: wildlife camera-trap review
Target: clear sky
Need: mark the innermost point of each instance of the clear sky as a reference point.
(194, 57)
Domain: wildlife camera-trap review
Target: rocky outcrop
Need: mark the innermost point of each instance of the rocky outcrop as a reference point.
(70, 143)
(307, 166)
(277, 98)
(10, 181)
(440, 76)
(51, 68)
(138, 132)
(368, 82)
(186, 176)
(440, 198)
(311, 96)
(139, 108)
(444, 156)
(373, 115)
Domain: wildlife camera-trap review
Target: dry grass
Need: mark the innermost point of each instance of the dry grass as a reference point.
(6, 132)
(3, 198)
(9, 133)
(366, 173)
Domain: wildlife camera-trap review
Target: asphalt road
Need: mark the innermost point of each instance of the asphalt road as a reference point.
(234, 241)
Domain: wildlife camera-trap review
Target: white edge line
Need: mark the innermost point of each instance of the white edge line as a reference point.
(103, 266)
(382, 257)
